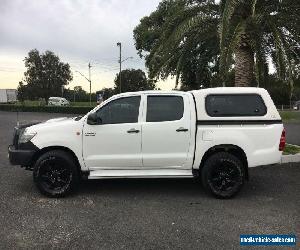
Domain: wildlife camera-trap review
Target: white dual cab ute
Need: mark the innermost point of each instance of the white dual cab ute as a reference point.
(213, 135)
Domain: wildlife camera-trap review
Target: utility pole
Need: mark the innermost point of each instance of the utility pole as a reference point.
(89, 80)
(90, 84)
(120, 61)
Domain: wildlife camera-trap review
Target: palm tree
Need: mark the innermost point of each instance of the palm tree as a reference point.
(254, 31)
(250, 34)
(186, 42)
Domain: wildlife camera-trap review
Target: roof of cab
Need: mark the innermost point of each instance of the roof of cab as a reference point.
(151, 92)
(200, 92)
(208, 90)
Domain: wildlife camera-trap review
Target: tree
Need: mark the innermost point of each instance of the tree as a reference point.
(21, 92)
(45, 75)
(180, 39)
(133, 80)
(107, 93)
(256, 30)
(80, 94)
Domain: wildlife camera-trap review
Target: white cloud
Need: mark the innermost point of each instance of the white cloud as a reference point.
(78, 31)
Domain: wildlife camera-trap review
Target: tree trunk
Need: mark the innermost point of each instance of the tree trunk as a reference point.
(244, 66)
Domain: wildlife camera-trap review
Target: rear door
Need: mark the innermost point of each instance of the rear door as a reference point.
(166, 131)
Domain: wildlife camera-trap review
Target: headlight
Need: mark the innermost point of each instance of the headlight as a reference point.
(26, 136)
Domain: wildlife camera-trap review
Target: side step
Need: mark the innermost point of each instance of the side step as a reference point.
(140, 173)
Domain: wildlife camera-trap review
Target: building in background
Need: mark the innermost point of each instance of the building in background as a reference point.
(8, 95)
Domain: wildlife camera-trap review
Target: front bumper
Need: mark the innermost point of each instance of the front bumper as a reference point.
(21, 157)
(21, 154)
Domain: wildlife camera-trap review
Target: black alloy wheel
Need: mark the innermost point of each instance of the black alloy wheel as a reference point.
(223, 175)
(55, 173)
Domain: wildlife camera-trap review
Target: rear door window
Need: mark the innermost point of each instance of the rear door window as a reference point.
(235, 105)
(164, 108)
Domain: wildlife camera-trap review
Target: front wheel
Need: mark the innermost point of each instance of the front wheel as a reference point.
(55, 173)
(223, 175)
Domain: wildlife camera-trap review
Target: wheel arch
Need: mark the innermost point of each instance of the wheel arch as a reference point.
(230, 148)
(51, 148)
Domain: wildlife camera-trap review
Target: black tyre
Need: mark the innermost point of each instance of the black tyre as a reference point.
(55, 173)
(223, 175)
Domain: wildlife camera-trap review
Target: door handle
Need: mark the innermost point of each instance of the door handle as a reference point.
(90, 134)
(133, 130)
(181, 129)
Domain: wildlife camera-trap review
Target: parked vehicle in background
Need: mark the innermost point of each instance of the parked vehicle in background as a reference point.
(99, 97)
(212, 134)
(58, 101)
(8, 95)
(297, 105)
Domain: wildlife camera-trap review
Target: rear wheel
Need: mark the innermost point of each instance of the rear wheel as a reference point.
(55, 173)
(223, 175)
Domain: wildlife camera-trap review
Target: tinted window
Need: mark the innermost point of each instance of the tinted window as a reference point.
(235, 105)
(123, 110)
(164, 108)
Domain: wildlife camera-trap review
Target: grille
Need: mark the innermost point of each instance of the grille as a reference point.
(15, 139)
(17, 133)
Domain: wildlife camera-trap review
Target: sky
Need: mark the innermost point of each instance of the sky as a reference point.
(78, 31)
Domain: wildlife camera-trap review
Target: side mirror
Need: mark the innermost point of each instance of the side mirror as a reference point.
(93, 120)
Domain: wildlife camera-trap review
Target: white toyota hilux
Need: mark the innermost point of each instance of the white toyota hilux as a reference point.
(214, 135)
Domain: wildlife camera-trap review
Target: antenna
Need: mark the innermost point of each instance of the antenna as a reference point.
(18, 123)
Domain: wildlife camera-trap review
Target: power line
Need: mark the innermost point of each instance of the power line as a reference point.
(119, 44)
(88, 79)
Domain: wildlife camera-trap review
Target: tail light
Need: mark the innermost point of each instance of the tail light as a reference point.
(282, 141)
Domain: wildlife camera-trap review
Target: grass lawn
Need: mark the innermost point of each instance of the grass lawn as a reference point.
(291, 149)
(290, 116)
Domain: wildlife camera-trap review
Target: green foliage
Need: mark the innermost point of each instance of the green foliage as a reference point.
(290, 116)
(43, 103)
(267, 29)
(133, 80)
(107, 93)
(280, 90)
(196, 40)
(21, 92)
(291, 149)
(45, 76)
(180, 39)
(78, 94)
(47, 109)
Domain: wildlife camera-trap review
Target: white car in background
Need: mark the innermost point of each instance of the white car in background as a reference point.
(297, 105)
(58, 101)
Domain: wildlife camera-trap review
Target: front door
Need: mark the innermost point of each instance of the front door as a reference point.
(115, 143)
(166, 131)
